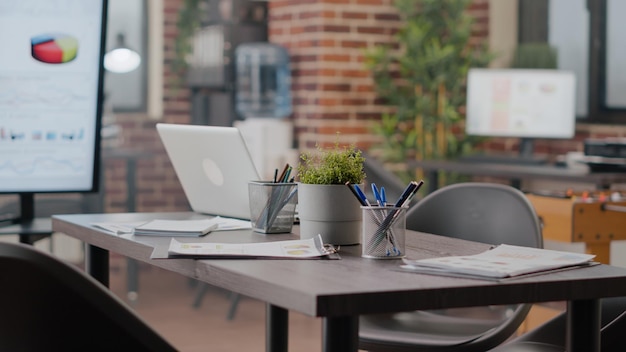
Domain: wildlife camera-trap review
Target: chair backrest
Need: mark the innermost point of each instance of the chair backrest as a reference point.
(49, 305)
(481, 212)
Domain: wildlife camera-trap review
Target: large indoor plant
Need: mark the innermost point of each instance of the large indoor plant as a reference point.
(325, 205)
(422, 76)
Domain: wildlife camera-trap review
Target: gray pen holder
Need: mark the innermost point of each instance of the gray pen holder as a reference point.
(272, 206)
(384, 232)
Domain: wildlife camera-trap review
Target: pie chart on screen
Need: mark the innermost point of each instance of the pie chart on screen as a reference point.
(54, 48)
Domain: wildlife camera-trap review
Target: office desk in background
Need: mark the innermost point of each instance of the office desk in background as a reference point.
(339, 291)
(516, 173)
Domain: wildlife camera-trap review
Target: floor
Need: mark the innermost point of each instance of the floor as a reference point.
(165, 301)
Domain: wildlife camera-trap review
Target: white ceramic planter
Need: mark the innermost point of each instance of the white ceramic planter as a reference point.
(331, 211)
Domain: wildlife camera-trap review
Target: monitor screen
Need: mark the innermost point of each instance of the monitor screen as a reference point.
(50, 94)
(521, 103)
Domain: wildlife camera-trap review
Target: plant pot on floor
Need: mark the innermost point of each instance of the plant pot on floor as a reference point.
(331, 211)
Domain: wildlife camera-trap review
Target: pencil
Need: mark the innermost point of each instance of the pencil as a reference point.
(282, 174)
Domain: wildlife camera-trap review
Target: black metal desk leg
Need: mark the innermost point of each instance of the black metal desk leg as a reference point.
(341, 334)
(276, 329)
(97, 263)
(132, 280)
(583, 326)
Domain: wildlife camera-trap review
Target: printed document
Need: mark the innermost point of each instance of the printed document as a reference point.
(503, 261)
(292, 249)
(187, 227)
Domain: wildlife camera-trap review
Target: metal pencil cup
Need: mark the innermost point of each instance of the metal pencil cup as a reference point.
(384, 232)
(272, 206)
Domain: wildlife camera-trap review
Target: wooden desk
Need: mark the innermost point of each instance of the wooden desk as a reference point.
(516, 173)
(340, 290)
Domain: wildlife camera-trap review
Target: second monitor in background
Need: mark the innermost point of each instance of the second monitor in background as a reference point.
(520, 103)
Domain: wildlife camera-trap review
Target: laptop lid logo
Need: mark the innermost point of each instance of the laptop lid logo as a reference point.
(213, 172)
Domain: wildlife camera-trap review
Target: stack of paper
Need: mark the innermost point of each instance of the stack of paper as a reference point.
(503, 261)
(193, 227)
(177, 227)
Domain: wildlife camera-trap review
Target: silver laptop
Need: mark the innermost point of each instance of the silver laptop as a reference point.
(213, 165)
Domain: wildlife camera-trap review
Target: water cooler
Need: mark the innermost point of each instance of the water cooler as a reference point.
(263, 102)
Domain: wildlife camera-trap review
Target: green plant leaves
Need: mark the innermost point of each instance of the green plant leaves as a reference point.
(332, 166)
(424, 79)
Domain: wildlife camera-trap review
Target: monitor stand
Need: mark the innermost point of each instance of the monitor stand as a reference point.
(26, 226)
(525, 156)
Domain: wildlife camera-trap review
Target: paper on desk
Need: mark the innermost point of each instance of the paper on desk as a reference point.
(503, 261)
(118, 228)
(226, 224)
(158, 227)
(223, 224)
(290, 249)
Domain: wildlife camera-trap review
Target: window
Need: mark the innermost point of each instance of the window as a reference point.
(587, 36)
(127, 92)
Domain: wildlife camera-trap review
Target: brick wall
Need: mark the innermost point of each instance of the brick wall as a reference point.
(332, 91)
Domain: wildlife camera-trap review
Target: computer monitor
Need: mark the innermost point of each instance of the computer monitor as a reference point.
(521, 103)
(50, 95)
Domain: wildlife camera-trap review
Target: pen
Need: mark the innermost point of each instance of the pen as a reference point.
(283, 203)
(407, 191)
(358, 197)
(275, 175)
(416, 188)
(286, 177)
(377, 194)
(362, 195)
(383, 196)
(282, 174)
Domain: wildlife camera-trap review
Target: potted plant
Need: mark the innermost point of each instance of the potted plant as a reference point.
(325, 205)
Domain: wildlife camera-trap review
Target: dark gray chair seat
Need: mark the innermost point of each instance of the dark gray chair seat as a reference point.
(482, 212)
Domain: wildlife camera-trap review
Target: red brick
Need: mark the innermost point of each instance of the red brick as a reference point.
(353, 44)
(335, 87)
(335, 58)
(355, 15)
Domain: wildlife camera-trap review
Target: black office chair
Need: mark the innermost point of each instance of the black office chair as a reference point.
(550, 336)
(49, 305)
(482, 212)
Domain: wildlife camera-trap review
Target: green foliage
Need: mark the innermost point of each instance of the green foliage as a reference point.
(424, 79)
(535, 55)
(333, 166)
(189, 21)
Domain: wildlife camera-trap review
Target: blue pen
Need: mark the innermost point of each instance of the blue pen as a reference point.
(383, 196)
(358, 197)
(361, 194)
(377, 195)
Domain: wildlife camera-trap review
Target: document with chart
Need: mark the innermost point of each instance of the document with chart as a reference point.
(291, 249)
(503, 261)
